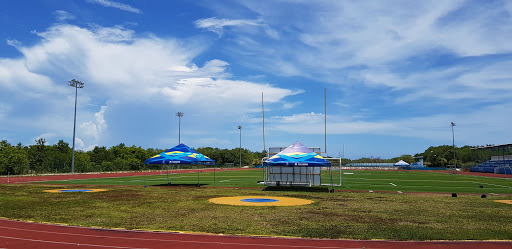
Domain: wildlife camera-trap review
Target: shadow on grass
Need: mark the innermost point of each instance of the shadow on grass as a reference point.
(297, 189)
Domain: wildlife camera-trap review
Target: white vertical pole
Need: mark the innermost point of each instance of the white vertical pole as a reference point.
(74, 129)
(263, 112)
(340, 171)
(325, 120)
(240, 149)
(453, 139)
(265, 173)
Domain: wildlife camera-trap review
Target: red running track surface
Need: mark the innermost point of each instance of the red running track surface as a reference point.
(17, 234)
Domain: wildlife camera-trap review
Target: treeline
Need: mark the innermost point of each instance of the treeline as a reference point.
(406, 158)
(41, 158)
(441, 156)
(434, 156)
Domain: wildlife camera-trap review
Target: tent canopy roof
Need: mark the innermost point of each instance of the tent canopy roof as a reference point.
(297, 155)
(181, 154)
(402, 163)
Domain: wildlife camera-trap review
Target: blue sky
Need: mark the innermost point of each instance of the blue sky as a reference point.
(396, 73)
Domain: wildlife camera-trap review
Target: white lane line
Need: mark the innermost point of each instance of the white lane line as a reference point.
(67, 243)
(392, 184)
(161, 240)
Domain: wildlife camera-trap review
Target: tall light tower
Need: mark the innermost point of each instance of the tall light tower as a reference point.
(453, 139)
(179, 114)
(240, 128)
(76, 84)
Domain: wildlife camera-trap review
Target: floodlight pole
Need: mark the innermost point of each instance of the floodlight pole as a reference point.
(453, 140)
(179, 114)
(240, 128)
(325, 120)
(76, 84)
(263, 115)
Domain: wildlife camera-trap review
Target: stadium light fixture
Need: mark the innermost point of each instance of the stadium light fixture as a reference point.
(240, 128)
(179, 114)
(453, 140)
(76, 84)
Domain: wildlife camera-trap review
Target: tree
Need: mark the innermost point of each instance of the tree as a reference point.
(99, 155)
(83, 162)
(13, 160)
(61, 159)
(38, 156)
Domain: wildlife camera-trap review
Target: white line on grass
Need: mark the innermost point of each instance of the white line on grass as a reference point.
(497, 185)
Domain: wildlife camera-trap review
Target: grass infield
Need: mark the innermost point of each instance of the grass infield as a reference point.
(354, 215)
(404, 181)
(332, 215)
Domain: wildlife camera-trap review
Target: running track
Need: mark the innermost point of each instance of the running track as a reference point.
(21, 235)
(16, 234)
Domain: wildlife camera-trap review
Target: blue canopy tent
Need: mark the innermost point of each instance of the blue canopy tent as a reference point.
(180, 154)
(295, 165)
(297, 155)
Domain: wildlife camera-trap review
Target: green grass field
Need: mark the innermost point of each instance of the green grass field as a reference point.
(332, 215)
(354, 215)
(404, 181)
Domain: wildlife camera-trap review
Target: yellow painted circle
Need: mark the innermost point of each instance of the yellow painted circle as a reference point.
(74, 190)
(266, 201)
(505, 201)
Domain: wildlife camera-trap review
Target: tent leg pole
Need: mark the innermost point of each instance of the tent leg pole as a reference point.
(198, 177)
(330, 173)
(168, 182)
(144, 175)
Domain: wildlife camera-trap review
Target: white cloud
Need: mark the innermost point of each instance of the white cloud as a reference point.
(113, 34)
(121, 6)
(4, 109)
(469, 129)
(94, 129)
(121, 69)
(79, 144)
(290, 105)
(376, 42)
(219, 26)
(62, 15)
(46, 136)
(479, 83)
(227, 95)
(15, 76)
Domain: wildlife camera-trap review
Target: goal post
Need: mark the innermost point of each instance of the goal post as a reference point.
(336, 170)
